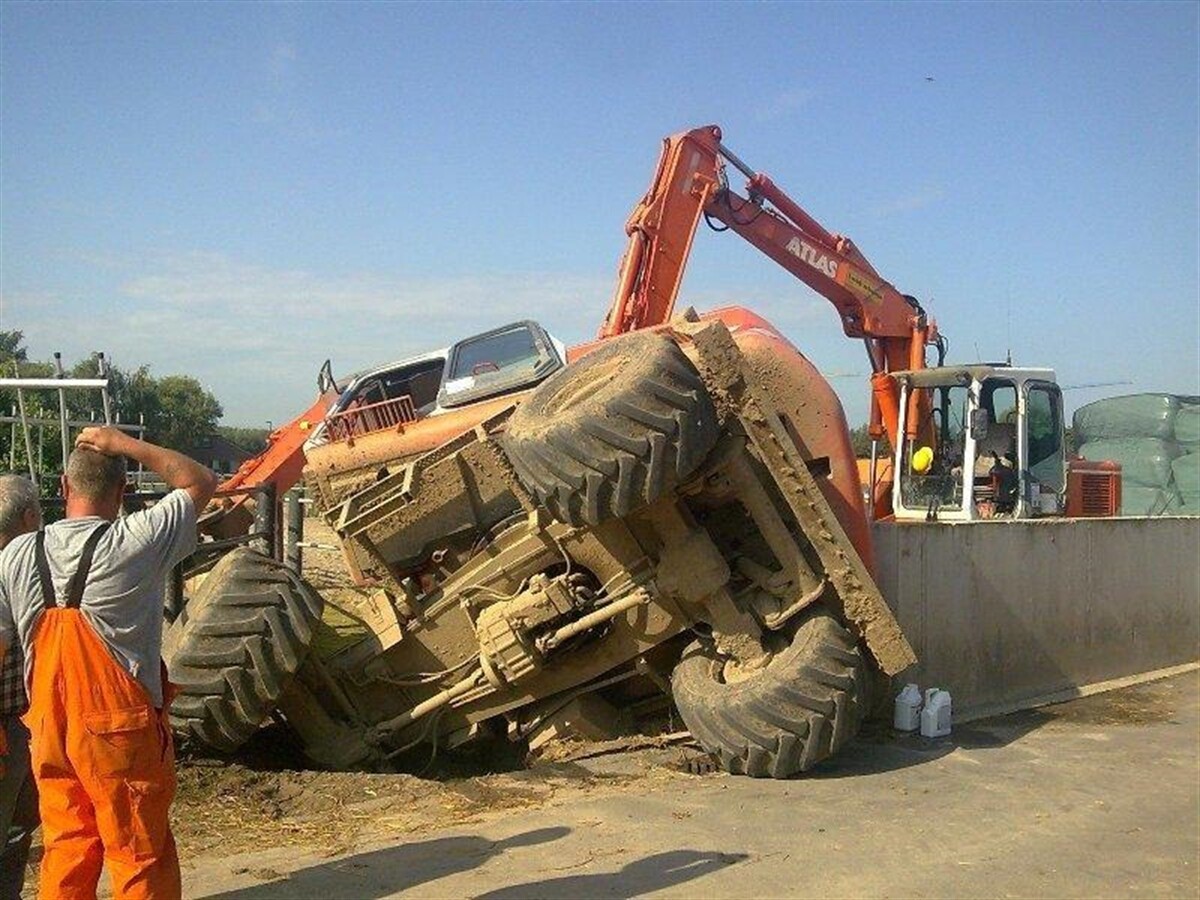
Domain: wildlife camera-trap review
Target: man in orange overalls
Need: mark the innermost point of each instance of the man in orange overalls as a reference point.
(84, 597)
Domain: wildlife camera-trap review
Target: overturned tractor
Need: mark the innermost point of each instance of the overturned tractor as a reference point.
(678, 511)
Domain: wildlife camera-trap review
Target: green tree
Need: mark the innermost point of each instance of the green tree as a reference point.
(12, 347)
(860, 442)
(177, 411)
(14, 358)
(252, 440)
(133, 395)
(187, 413)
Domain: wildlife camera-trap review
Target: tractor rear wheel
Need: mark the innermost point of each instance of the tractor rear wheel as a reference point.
(614, 431)
(236, 647)
(799, 709)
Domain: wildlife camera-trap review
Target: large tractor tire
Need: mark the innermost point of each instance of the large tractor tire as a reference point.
(236, 646)
(799, 709)
(614, 431)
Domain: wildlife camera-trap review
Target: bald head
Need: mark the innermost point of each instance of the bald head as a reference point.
(95, 476)
(19, 509)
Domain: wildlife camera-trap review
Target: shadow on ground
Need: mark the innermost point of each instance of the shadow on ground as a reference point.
(381, 873)
(880, 749)
(642, 876)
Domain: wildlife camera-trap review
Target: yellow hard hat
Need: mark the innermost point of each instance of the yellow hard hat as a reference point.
(922, 460)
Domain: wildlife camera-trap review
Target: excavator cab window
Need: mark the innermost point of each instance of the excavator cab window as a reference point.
(931, 477)
(420, 382)
(995, 478)
(1047, 461)
(382, 399)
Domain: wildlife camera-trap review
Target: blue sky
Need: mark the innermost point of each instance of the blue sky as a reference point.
(239, 191)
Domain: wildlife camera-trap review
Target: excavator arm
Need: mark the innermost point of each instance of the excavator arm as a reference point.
(691, 182)
(280, 463)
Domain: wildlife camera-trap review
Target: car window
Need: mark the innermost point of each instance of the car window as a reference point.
(494, 352)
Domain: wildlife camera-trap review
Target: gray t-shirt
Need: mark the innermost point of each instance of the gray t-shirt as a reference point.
(123, 598)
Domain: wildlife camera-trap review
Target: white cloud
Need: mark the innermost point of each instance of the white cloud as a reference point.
(257, 293)
(783, 104)
(255, 335)
(909, 202)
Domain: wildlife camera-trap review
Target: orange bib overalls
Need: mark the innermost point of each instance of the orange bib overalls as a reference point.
(102, 756)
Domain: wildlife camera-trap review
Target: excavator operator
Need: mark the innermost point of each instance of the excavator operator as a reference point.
(84, 598)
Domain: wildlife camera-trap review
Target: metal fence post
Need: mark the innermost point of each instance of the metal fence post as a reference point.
(173, 599)
(62, 412)
(33, 475)
(294, 520)
(265, 520)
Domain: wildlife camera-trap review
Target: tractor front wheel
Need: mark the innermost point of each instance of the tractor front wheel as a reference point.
(237, 646)
(783, 719)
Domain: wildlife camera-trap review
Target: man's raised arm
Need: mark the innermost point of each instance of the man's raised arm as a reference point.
(178, 471)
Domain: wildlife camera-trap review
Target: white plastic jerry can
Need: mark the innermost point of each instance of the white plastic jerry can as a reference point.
(908, 709)
(935, 717)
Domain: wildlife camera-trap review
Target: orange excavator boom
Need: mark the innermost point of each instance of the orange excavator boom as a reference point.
(691, 182)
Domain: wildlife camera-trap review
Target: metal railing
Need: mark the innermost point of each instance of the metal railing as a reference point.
(294, 543)
(60, 385)
(360, 420)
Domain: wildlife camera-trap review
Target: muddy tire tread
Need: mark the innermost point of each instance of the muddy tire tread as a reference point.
(240, 642)
(602, 457)
(804, 707)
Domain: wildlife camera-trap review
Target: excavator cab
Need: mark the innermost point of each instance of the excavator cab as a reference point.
(989, 444)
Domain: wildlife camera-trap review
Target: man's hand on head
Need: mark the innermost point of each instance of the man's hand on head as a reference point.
(180, 472)
(103, 439)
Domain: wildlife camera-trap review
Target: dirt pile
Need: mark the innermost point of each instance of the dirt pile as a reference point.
(231, 807)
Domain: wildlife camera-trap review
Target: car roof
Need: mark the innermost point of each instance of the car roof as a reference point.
(354, 377)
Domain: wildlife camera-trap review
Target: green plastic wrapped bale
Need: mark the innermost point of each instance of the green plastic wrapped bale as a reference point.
(1186, 470)
(1137, 500)
(1134, 416)
(1187, 424)
(1144, 461)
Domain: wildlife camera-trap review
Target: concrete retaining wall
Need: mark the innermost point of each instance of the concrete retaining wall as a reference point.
(1003, 613)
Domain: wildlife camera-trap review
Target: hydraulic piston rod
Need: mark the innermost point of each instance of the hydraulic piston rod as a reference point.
(425, 707)
(592, 619)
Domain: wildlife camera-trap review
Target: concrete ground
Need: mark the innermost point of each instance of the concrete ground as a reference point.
(1098, 797)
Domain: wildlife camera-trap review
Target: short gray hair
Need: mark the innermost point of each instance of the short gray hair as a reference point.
(17, 496)
(93, 474)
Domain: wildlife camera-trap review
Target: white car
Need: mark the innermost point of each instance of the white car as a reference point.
(512, 358)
